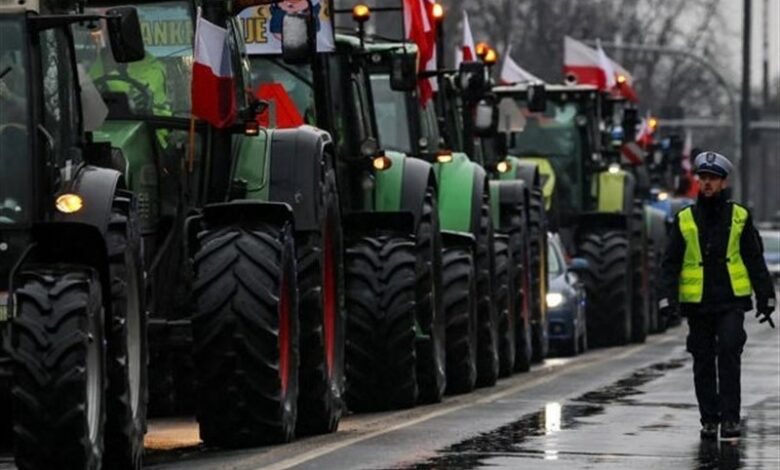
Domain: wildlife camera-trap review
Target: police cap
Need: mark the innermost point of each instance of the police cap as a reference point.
(712, 162)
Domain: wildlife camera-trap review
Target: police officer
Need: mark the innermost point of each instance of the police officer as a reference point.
(713, 263)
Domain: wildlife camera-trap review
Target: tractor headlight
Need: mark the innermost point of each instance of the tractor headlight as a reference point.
(69, 203)
(554, 299)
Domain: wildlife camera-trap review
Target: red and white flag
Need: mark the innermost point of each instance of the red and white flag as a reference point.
(467, 52)
(421, 29)
(624, 87)
(607, 68)
(511, 72)
(583, 63)
(213, 87)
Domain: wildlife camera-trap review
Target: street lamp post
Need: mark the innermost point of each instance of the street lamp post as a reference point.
(730, 92)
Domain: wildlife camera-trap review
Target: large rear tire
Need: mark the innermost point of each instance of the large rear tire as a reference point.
(519, 243)
(607, 287)
(537, 233)
(59, 371)
(320, 279)
(506, 306)
(381, 359)
(245, 335)
(460, 310)
(127, 342)
(640, 292)
(431, 342)
(487, 345)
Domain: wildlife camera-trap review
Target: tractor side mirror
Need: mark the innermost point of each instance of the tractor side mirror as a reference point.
(630, 122)
(124, 33)
(403, 72)
(473, 79)
(537, 98)
(483, 117)
(298, 41)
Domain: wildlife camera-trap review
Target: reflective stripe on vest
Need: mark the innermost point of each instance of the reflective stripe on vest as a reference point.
(692, 273)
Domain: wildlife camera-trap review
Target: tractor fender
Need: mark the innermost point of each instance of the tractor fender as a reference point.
(244, 212)
(97, 187)
(299, 157)
(589, 221)
(418, 177)
(356, 224)
(505, 196)
(452, 238)
(529, 172)
(655, 223)
(461, 185)
(68, 243)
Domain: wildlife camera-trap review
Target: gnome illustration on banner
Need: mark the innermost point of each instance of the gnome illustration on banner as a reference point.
(291, 7)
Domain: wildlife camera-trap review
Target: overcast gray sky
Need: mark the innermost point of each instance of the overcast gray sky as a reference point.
(732, 10)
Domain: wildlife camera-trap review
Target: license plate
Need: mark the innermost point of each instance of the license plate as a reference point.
(3, 306)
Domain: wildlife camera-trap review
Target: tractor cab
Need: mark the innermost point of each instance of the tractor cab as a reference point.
(563, 139)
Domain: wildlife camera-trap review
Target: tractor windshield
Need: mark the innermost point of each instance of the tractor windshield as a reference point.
(15, 164)
(157, 85)
(554, 135)
(288, 90)
(392, 115)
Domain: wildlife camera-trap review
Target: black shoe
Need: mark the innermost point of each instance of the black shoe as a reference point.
(709, 431)
(730, 430)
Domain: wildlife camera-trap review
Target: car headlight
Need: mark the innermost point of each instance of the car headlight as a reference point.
(554, 299)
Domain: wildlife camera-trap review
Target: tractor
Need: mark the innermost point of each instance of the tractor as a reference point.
(242, 235)
(72, 318)
(592, 197)
(467, 119)
(395, 328)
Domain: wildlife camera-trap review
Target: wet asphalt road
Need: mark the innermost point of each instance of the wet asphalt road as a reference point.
(619, 408)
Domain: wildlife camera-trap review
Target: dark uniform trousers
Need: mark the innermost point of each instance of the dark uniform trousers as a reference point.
(715, 339)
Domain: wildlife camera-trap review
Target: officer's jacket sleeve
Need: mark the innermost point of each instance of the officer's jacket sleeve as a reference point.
(752, 251)
(672, 263)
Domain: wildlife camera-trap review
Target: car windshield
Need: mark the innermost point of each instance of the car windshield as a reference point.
(159, 84)
(771, 241)
(391, 115)
(555, 135)
(554, 265)
(287, 88)
(14, 159)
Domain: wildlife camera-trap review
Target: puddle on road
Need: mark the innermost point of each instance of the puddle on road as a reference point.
(629, 386)
(554, 417)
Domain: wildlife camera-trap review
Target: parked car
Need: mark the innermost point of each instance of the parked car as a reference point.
(771, 241)
(565, 301)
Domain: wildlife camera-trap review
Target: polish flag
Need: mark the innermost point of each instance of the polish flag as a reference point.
(421, 30)
(468, 52)
(511, 72)
(607, 68)
(645, 135)
(213, 96)
(584, 63)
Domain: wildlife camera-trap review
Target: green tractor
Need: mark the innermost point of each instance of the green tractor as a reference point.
(593, 200)
(395, 326)
(73, 328)
(408, 125)
(467, 119)
(242, 235)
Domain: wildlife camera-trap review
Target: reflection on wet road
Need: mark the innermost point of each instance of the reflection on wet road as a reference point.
(647, 419)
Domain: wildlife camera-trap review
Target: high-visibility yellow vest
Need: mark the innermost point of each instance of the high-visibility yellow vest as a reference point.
(692, 274)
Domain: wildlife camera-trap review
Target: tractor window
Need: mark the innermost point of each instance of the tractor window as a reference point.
(159, 84)
(392, 116)
(15, 164)
(554, 134)
(287, 88)
(61, 112)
